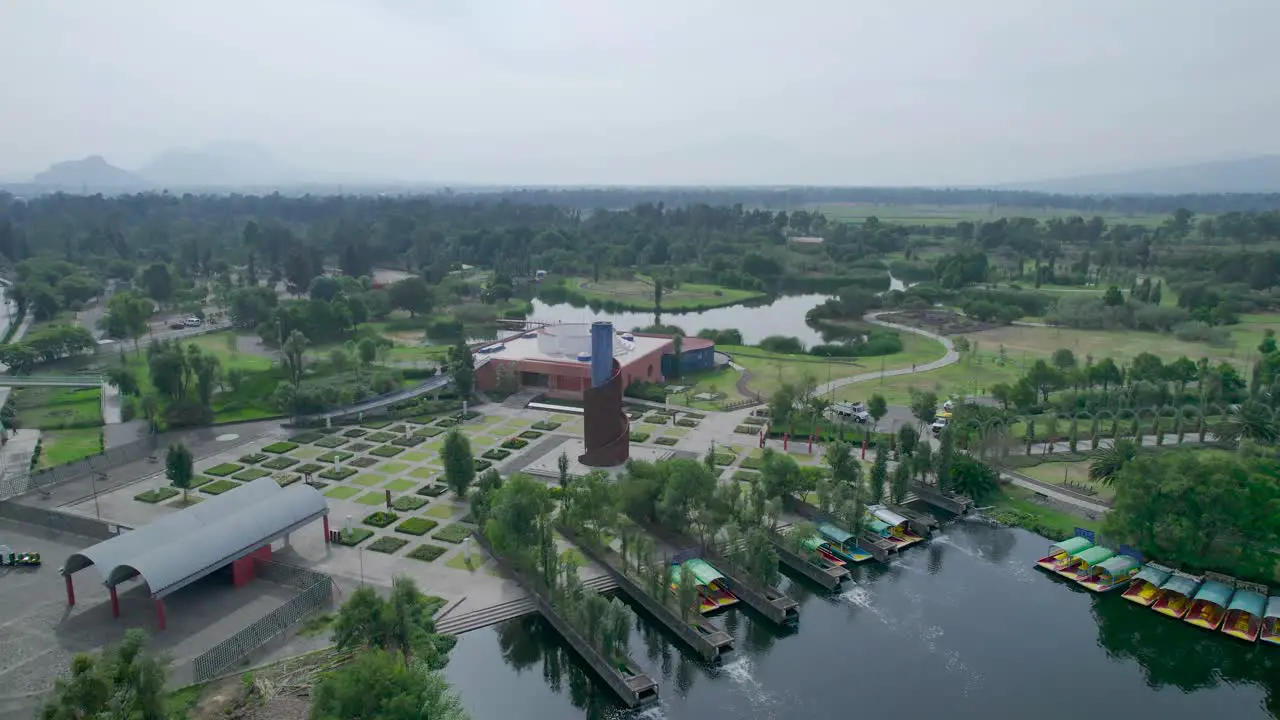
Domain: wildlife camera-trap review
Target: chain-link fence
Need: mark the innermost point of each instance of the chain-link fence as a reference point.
(317, 593)
(18, 480)
(61, 521)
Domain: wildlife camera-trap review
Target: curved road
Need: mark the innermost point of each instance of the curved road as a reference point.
(949, 358)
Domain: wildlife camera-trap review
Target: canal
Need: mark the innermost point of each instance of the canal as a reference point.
(961, 627)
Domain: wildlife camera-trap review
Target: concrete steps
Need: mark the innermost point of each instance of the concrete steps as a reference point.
(484, 617)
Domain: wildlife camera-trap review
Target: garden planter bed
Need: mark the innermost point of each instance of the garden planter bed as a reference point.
(157, 495)
(482, 465)
(306, 437)
(224, 469)
(380, 437)
(387, 544)
(546, 425)
(354, 536)
(355, 433)
(515, 444)
(253, 458)
(639, 436)
(386, 451)
(407, 441)
(496, 454)
(530, 434)
(452, 534)
(667, 441)
(279, 462)
(308, 468)
(427, 552)
(332, 455)
(280, 448)
(362, 462)
(380, 519)
(431, 490)
(331, 441)
(408, 503)
(427, 432)
(341, 473)
(416, 526)
(250, 474)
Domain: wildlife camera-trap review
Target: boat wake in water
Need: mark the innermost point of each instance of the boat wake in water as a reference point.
(740, 673)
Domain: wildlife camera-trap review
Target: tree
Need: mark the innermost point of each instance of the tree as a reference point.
(1146, 367)
(122, 379)
(123, 682)
(158, 282)
(459, 463)
(677, 345)
(972, 477)
(687, 593)
(1105, 373)
(562, 466)
(924, 406)
(292, 353)
(1105, 464)
(907, 440)
(1249, 421)
(126, 317)
(901, 483)
(462, 368)
(877, 408)
(376, 685)
(411, 294)
(845, 468)
(1003, 393)
(1180, 372)
(1113, 297)
(1045, 379)
(945, 457)
(179, 467)
(324, 288)
(879, 474)
(1064, 360)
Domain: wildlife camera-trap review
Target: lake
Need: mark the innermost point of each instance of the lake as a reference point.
(963, 626)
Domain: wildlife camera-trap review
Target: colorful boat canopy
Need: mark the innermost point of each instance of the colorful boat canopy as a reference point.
(703, 571)
(1273, 608)
(1071, 546)
(887, 516)
(1153, 574)
(831, 532)
(1181, 584)
(1215, 592)
(813, 542)
(1248, 601)
(877, 525)
(1117, 566)
(1095, 555)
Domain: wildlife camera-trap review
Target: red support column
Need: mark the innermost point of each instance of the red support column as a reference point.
(115, 603)
(71, 590)
(811, 443)
(864, 448)
(786, 437)
(160, 612)
(326, 529)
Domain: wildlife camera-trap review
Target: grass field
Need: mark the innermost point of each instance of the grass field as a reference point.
(637, 294)
(1056, 523)
(962, 378)
(952, 214)
(58, 447)
(721, 380)
(769, 370)
(49, 408)
(1121, 345)
(1054, 473)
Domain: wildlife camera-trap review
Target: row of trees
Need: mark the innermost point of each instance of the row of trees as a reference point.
(45, 345)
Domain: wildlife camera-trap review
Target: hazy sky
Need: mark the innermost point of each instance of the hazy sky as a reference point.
(646, 91)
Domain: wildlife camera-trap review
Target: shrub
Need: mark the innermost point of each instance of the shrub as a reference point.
(303, 438)
(482, 465)
(280, 448)
(375, 424)
(723, 459)
(416, 526)
(656, 419)
(752, 463)
(645, 390)
(331, 441)
(695, 416)
(306, 468)
(686, 422)
(745, 476)
(156, 495)
(470, 415)
(341, 473)
(546, 425)
(332, 455)
(515, 444)
(355, 433)
(386, 451)
(405, 503)
(747, 430)
(668, 441)
(427, 552)
(634, 415)
(362, 462)
(250, 474)
(431, 490)
(380, 437)
(199, 480)
(356, 447)
(286, 479)
(530, 434)
(224, 469)
(380, 519)
(407, 440)
(446, 422)
(217, 487)
(427, 432)
(496, 454)
(556, 492)
(452, 534)
(388, 544)
(354, 536)
(279, 462)
(639, 436)
(753, 420)
(253, 458)
(781, 344)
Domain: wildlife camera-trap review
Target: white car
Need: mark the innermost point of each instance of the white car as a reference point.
(193, 321)
(938, 425)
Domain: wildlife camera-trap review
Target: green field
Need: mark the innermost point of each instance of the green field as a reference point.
(963, 378)
(1054, 473)
(952, 214)
(769, 370)
(49, 408)
(637, 294)
(721, 380)
(58, 447)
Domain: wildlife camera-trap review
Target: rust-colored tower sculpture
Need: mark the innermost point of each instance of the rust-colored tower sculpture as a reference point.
(606, 432)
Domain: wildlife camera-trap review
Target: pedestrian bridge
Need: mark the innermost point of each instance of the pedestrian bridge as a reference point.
(77, 380)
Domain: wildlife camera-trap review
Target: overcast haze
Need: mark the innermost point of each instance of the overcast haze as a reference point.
(654, 91)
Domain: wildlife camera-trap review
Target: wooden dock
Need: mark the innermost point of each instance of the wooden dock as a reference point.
(951, 502)
(829, 577)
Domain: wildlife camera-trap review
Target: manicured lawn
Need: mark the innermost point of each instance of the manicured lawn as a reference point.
(59, 447)
(217, 487)
(1121, 345)
(417, 456)
(1076, 473)
(721, 381)
(279, 448)
(354, 536)
(223, 469)
(1052, 521)
(368, 479)
(769, 370)
(459, 562)
(637, 294)
(416, 526)
(53, 408)
(372, 498)
(392, 468)
(388, 544)
(400, 485)
(963, 378)
(444, 512)
(425, 473)
(452, 534)
(427, 552)
(342, 492)
(156, 495)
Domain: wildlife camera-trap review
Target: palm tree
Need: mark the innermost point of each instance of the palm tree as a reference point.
(1105, 464)
(1250, 421)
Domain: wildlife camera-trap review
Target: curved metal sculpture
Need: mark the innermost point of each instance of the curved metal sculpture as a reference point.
(606, 431)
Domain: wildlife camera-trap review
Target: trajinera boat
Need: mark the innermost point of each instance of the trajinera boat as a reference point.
(1061, 552)
(842, 544)
(1270, 632)
(1244, 615)
(1111, 574)
(712, 592)
(1085, 562)
(1147, 583)
(822, 548)
(1174, 597)
(899, 527)
(1209, 605)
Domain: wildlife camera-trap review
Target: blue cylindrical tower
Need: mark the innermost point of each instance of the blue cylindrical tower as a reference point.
(601, 353)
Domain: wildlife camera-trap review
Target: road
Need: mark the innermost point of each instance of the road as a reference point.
(949, 358)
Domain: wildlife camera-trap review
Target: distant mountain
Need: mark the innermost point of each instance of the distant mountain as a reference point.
(220, 164)
(93, 173)
(1260, 174)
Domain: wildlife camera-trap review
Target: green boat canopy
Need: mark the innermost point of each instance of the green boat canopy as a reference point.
(1117, 566)
(1182, 585)
(703, 571)
(813, 542)
(1248, 601)
(1071, 546)
(1153, 574)
(1215, 592)
(877, 526)
(1095, 555)
(834, 534)
(1273, 608)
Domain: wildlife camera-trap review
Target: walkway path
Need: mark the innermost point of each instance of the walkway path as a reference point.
(949, 358)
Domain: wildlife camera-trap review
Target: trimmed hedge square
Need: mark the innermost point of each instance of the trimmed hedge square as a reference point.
(217, 487)
(452, 534)
(446, 422)
(530, 434)
(427, 552)
(362, 462)
(747, 430)
(545, 425)
(668, 441)
(358, 447)
(251, 474)
(695, 416)
(515, 444)
(407, 440)
(428, 432)
(331, 441)
(496, 454)
(253, 458)
(354, 536)
(224, 469)
(303, 438)
(380, 437)
(656, 419)
(286, 479)
(305, 468)
(470, 415)
(752, 462)
(199, 480)
(639, 436)
(332, 455)
(388, 544)
(634, 415)
(417, 526)
(341, 473)
(375, 424)
(398, 429)
(380, 519)
(156, 495)
(723, 459)
(280, 448)
(432, 490)
(386, 451)
(685, 422)
(279, 462)
(745, 476)
(482, 465)
(755, 421)
(406, 503)
(355, 433)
